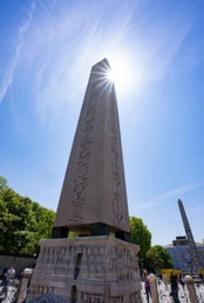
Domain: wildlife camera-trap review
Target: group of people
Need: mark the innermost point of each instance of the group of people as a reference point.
(174, 283)
(7, 276)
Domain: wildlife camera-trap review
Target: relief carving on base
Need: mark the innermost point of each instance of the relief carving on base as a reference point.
(117, 299)
(38, 290)
(90, 298)
(120, 264)
(135, 297)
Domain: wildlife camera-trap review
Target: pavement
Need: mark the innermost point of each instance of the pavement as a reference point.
(163, 292)
(12, 289)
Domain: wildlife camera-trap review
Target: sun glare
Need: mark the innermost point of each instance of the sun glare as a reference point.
(124, 72)
(120, 72)
(110, 75)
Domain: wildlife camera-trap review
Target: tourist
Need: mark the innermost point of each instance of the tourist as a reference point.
(11, 273)
(3, 292)
(147, 285)
(174, 287)
(4, 276)
(181, 281)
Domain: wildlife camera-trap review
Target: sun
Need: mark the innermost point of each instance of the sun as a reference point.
(110, 75)
(120, 72)
(123, 71)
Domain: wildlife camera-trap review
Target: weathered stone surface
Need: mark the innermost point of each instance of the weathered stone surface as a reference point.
(191, 289)
(94, 188)
(25, 279)
(153, 288)
(48, 298)
(91, 269)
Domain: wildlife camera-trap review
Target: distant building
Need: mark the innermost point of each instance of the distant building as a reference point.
(179, 250)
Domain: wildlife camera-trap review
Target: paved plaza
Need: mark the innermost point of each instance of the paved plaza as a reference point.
(9, 294)
(163, 292)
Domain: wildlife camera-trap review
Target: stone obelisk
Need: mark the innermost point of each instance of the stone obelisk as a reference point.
(100, 265)
(93, 198)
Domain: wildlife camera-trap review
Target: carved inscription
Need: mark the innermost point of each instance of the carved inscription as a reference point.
(90, 298)
(117, 299)
(122, 265)
(135, 297)
(115, 166)
(99, 263)
(81, 179)
(40, 290)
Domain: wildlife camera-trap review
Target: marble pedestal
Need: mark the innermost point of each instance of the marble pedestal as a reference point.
(88, 270)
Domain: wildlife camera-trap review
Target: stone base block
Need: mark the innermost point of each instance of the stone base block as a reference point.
(98, 269)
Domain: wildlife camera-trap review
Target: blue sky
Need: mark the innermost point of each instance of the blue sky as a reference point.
(47, 50)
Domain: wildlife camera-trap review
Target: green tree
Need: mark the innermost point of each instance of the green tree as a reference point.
(140, 235)
(3, 182)
(22, 223)
(158, 258)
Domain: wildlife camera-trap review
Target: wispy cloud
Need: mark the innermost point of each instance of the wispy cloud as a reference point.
(65, 40)
(171, 195)
(150, 58)
(10, 70)
(61, 48)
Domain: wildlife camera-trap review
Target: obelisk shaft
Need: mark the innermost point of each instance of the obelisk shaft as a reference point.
(94, 190)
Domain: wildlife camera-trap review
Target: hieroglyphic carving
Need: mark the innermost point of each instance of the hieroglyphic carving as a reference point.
(81, 179)
(115, 166)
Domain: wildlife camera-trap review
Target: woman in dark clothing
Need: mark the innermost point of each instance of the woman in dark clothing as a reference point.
(147, 285)
(174, 288)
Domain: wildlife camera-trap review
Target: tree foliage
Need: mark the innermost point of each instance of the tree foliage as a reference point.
(140, 235)
(158, 258)
(3, 182)
(22, 222)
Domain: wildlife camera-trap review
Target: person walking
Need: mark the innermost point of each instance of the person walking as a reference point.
(147, 288)
(11, 273)
(147, 285)
(3, 292)
(174, 287)
(181, 281)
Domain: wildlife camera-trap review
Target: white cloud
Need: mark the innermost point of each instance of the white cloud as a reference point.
(10, 70)
(65, 40)
(171, 195)
(61, 48)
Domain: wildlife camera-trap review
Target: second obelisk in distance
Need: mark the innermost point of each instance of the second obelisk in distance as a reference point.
(93, 198)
